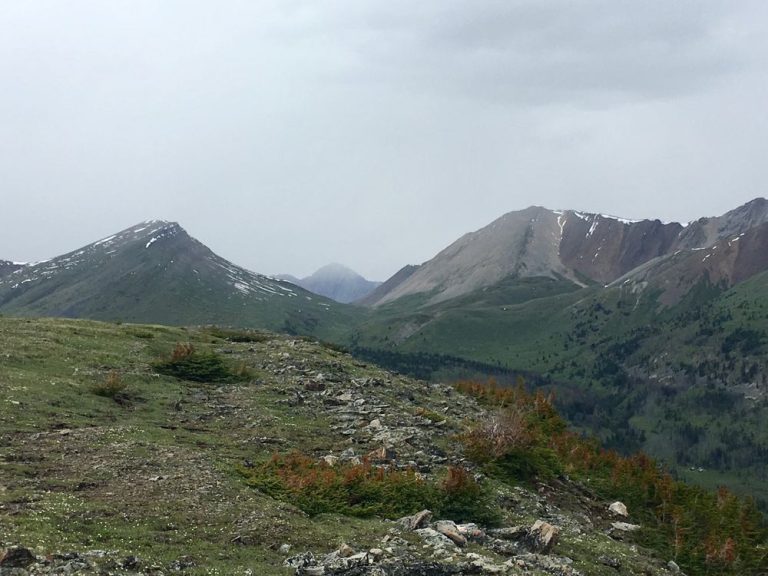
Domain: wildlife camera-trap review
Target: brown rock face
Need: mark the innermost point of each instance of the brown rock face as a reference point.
(587, 248)
(603, 249)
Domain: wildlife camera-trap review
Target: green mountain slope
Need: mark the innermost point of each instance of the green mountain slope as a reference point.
(155, 272)
(685, 382)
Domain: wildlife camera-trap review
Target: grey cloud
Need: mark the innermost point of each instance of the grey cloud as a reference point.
(289, 133)
(543, 52)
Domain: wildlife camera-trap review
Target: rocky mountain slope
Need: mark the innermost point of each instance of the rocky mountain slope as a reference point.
(336, 282)
(155, 272)
(583, 248)
(7, 267)
(388, 286)
(109, 466)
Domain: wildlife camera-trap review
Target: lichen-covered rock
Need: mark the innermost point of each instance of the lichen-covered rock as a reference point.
(542, 536)
(449, 530)
(418, 520)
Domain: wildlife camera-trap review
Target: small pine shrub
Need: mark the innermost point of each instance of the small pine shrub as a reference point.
(363, 490)
(501, 434)
(464, 500)
(187, 363)
(354, 490)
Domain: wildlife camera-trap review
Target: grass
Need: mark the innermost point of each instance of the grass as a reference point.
(158, 478)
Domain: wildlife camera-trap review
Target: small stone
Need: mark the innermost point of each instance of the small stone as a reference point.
(376, 553)
(330, 459)
(448, 529)
(300, 561)
(542, 536)
(434, 539)
(382, 454)
(348, 454)
(130, 563)
(608, 561)
(673, 567)
(619, 509)
(471, 532)
(416, 521)
(314, 386)
(625, 527)
(345, 551)
(285, 549)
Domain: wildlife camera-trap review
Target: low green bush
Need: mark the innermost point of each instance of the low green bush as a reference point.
(364, 490)
(187, 363)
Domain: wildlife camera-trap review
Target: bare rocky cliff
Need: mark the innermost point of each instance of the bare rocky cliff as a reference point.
(587, 249)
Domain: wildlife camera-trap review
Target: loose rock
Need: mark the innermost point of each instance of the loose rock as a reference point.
(619, 509)
(542, 536)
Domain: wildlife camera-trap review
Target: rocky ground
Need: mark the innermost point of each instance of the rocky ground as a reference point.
(148, 484)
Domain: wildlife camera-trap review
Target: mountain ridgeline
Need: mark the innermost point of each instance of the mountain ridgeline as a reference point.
(157, 273)
(584, 249)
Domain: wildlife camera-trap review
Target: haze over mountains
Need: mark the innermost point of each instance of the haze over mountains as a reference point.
(335, 281)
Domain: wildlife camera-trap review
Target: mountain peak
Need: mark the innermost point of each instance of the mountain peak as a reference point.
(335, 281)
(336, 270)
(149, 232)
(155, 272)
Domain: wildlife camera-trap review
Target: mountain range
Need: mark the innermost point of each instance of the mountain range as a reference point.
(335, 281)
(155, 272)
(652, 335)
(590, 249)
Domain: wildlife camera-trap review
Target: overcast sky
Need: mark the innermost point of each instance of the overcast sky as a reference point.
(288, 134)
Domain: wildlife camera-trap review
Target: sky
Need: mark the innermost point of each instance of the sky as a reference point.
(288, 134)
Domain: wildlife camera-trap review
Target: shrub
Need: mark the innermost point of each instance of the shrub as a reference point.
(364, 490)
(112, 386)
(187, 363)
(706, 533)
(501, 434)
(144, 334)
(353, 490)
(463, 499)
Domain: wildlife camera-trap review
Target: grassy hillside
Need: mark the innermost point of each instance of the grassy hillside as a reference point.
(685, 383)
(101, 450)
